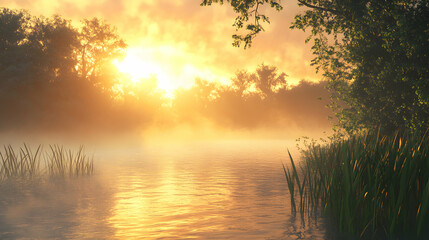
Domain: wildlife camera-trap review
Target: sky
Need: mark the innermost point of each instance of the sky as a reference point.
(178, 40)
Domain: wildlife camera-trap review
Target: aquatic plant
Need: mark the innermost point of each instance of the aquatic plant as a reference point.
(58, 162)
(61, 162)
(19, 164)
(370, 185)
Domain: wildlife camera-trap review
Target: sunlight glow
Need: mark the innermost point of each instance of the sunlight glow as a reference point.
(137, 68)
(168, 65)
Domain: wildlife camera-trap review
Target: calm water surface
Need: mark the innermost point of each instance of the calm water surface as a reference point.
(200, 190)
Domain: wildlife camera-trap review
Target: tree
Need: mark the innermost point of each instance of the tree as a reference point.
(99, 46)
(53, 41)
(265, 81)
(248, 17)
(374, 53)
(14, 58)
(36, 49)
(41, 76)
(12, 28)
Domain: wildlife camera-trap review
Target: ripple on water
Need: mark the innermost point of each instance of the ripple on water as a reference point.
(203, 192)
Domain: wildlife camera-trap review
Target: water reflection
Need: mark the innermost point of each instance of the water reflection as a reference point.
(54, 209)
(196, 190)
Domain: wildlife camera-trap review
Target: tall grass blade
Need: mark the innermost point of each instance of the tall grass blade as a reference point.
(370, 185)
(57, 162)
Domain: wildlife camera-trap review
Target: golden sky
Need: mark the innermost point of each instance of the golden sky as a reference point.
(177, 40)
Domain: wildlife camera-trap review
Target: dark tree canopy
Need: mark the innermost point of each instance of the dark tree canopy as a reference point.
(41, 78)
(48, 49)
(374, 53)
(99, 44)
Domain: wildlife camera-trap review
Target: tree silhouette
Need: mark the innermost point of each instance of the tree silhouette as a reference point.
(265, 81)
(42, 82)
(99, 45)
(261, 98)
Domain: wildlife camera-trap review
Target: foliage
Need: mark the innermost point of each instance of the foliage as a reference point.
(374, 54)
(53, 75)
(34, 49)
(249, 17)
(376, 61)
(52, 49)
(371, 185)
(261, 98)
(99, 45)
(24, 164)
(63, 163)
(265, 81)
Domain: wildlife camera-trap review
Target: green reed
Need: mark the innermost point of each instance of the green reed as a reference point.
(23, 163)
(63, 162)
(370, 185)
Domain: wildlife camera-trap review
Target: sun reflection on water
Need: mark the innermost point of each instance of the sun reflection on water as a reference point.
(192, 191)
(170, 203)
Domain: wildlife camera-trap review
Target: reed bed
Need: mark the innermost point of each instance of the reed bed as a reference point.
(24, 164)
(371, 186)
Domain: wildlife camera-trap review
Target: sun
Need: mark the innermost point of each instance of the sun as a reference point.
(136, 67)
(172, 68)
(140, 66)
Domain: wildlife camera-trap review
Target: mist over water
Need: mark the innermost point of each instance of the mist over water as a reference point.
(204, 162)
(212, 189)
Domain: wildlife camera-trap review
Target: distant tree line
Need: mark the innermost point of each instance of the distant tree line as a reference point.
(256, 99)
(55, 76)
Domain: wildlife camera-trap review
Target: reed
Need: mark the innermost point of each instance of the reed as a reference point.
(63, 162)
(370, 185)
(25, 164)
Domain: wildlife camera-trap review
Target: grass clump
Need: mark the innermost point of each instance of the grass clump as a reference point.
(25, 164)
(61, 162)
(371, 186)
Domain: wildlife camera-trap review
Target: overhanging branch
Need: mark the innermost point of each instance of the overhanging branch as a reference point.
(303, 2)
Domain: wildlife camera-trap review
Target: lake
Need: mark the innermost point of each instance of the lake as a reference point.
(190, 190)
